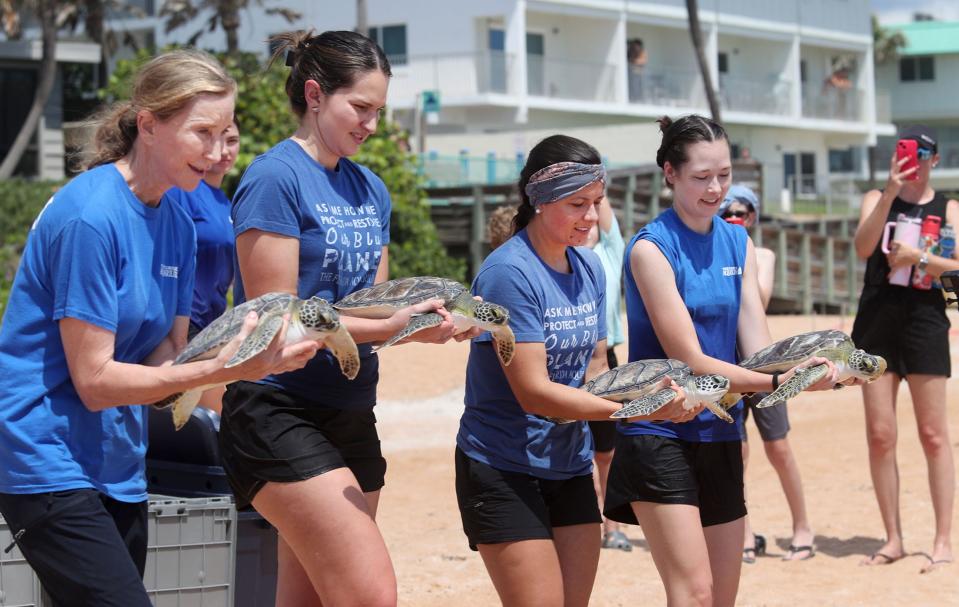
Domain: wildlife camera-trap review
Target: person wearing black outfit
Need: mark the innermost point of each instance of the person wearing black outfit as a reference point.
(909, 328)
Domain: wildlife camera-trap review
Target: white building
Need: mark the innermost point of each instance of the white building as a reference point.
(511, 71)
(923, 85)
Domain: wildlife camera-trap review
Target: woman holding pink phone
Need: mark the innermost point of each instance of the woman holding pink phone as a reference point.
(907, 326)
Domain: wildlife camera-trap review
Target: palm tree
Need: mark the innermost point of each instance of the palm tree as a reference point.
(885, 42)
(226, 15)
(46, 12)
(696, 33)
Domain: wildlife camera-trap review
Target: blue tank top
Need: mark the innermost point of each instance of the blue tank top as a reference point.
(708, 270)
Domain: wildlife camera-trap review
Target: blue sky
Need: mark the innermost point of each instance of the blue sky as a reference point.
(900, 11)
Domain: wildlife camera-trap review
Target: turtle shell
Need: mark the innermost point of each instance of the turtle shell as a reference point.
(207, 343)
(388, 296)
(789, 352)
(635, 379)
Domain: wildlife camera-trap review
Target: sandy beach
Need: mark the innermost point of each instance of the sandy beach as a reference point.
(421, 398)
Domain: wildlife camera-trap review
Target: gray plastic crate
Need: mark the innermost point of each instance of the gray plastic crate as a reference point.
(190, 556)
(19, 586)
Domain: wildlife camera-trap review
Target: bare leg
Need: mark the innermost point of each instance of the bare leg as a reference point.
(749, 540)
(781, 457)
(578, 550)
(879, 398)
(929, 401)
(600, 473)
(678, 544)
(328, 524)
(212, 399)
(293, 586)
(724, 546)
(526, 573)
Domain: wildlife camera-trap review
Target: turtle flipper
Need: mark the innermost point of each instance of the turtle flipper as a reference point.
(169, 401)
(184, 405)
(341, 344)
(646, 404)
(417, 323)
(730, 399)
(801, 380)
(257, 341)
(505, 342)
(719, 411)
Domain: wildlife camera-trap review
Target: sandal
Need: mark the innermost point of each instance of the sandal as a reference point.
(616, 540)
(749, 555)
(760, 542)
(794, 550)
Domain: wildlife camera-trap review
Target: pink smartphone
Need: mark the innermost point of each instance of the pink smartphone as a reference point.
(908, 148)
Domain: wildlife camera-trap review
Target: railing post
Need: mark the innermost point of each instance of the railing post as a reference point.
(805, 273)
(782, 265)
(629, 204)
(477, 227)
(464, 166)
(829, 275)
(491, 167)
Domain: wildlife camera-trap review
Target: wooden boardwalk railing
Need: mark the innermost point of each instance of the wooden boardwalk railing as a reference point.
(816, 264)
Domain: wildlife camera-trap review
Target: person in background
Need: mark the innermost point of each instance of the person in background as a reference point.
(499, 227)
(636, 59)
(909, 328)
(607, 240)
(741, 206)
(692, 295)
(524, 483)
(99, 308)
(209, 208)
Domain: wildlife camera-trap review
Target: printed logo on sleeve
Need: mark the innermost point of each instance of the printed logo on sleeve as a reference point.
(169, 271)
(732, 271)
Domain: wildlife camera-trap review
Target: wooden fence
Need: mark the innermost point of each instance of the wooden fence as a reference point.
(816, 263)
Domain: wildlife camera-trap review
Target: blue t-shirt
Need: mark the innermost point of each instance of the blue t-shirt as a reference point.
(566, 313)
(610, 250)
(96, 254)
(342, 220)
(210, 210)
(709, 273)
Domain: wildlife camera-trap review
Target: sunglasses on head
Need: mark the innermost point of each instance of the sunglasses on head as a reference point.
(923, 153)
(737, 214)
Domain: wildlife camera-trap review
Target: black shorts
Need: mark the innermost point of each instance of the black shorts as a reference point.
(87, 549)
(498, 506)
(773, 422)
(650, 468)
(267, 435)
(908, 327)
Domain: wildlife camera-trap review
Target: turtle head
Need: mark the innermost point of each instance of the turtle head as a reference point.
(316, 313)
(868, 366)
(711, 386)
(489, 315)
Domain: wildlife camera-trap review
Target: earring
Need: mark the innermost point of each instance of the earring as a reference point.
(538, 210)
(316, 108)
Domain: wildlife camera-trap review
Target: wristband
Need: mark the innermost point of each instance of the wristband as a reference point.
(775, 381)
(923, 261)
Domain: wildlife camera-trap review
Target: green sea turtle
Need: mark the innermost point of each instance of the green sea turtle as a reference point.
(787, 353)
(384, 299)
(640, 384)
(312, 318)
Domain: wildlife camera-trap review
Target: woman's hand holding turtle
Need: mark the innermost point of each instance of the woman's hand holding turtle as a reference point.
(828, 382)
(675, 410)
(275, 359)
(471, 332)
(439, 334)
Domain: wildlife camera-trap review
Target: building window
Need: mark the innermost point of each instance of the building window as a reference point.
(917, 69)
(723, 63)
(392, 39)
(842, 161)
(802, 70)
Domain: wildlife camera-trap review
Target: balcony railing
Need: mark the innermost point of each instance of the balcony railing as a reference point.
(832, 103)
(456, 74)
(663, 86)
(772, 96)
(569, 79)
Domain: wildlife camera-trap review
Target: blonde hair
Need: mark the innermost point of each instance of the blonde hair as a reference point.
(163, 86)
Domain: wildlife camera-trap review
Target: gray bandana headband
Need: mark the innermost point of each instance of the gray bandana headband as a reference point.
(560, 180)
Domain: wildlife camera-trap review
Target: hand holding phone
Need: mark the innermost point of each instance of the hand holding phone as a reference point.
(909, 149)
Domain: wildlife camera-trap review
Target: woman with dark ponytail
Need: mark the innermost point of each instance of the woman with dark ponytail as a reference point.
(523, 479)
(100, 302)
(302, 447)
(692, 294)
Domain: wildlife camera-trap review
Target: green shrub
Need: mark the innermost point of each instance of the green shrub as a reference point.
(20, 203)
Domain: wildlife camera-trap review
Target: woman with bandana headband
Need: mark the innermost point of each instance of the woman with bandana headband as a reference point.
(524, 483)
